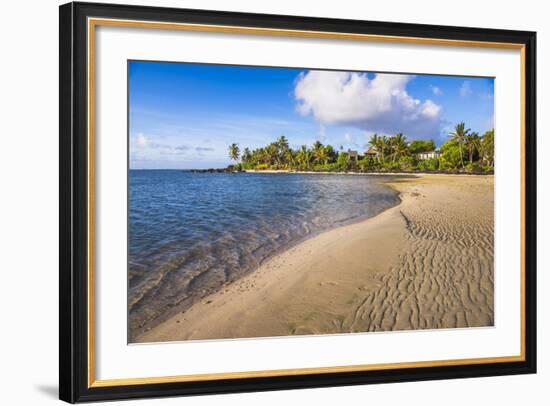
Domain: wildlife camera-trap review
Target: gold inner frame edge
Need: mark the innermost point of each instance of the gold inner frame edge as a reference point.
(94, 22)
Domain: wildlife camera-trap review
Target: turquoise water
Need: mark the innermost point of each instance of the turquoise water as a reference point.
(190, 233)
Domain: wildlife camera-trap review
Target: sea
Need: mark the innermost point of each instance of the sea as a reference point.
(191, 233)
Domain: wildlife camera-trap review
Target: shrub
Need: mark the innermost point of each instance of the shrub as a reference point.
(246, 165)
(418, 146)
(474, 167)
(451, 157)
(326, 167)
(261, 167)
(391, 166)
(368, 164)
(431, 164)
(407, 163)
(343, 161)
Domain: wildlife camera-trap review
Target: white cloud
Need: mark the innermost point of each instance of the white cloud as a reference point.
(348, 137)
(146, 144)
(430, 109)
(465, 89)
(142, 140)
(436, 90)
(381, 104)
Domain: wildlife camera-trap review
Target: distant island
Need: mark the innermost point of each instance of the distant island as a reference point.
(464, 152)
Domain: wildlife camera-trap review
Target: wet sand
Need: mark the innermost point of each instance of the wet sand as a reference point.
(424, 264)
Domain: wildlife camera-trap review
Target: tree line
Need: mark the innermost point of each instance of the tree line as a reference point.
(464, 151)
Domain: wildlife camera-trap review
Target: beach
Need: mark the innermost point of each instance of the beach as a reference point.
(426, 263)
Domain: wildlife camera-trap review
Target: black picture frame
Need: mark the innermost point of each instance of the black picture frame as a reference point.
(74, 199)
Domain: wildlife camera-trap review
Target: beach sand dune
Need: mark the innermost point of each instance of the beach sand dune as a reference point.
(424, 264)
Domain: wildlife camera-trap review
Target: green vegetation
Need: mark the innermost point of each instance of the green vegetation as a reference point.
(464, 152)
(418, 146)
(234, 152)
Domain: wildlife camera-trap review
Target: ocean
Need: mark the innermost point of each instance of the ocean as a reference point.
(190, 233)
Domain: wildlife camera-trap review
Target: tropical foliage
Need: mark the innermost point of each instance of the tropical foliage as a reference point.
(418, 146)
(234, 152)
(464, 151)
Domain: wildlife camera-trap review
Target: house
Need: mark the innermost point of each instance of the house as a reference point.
(372, 153)
(429, 155)
(353, 155)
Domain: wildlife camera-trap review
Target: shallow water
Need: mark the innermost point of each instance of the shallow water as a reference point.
(190, 233)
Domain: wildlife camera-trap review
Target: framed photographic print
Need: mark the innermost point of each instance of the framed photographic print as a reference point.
(256, 202)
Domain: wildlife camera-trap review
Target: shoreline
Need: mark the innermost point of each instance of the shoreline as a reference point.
(192, 299)
(339, 280)
(300, 172)
(291, 172)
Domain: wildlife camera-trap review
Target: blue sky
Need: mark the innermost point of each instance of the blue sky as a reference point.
(185, 115)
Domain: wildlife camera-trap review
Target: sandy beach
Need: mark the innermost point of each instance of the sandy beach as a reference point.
(426, 263)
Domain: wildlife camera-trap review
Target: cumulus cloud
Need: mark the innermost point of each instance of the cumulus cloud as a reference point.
(142, 140)
(465, 89)
(381, 104)
(436, 90)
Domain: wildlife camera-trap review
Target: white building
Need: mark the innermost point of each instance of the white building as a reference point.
(429, 155)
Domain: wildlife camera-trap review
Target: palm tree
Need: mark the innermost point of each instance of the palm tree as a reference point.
(319, 152)
(262, 155)
(374, 141)
(399, 146)
(473, 144)
(459, 136)
(382, 146)
(290, 158)
(303, 157)
(282, 143)
(246, 156)
(317, 145)
(271, 152)
(324, 155)
(487, 146)
(234, 152)
(282, 148)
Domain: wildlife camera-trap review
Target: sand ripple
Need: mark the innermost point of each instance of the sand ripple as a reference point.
(444, 276)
